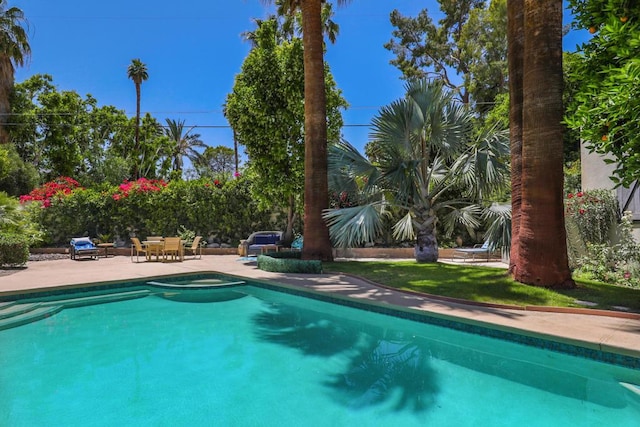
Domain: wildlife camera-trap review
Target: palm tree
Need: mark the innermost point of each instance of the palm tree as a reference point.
(317, 244)
(14, 52)
(540, 243)
(423, 148)
(137, 71)
(515, 49)
(183, 143)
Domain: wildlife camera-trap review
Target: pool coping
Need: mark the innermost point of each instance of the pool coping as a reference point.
(598, 351)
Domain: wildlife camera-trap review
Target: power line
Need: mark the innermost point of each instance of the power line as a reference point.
(165, 126)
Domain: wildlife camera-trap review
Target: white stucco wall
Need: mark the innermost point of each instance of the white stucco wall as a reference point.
(596, 174)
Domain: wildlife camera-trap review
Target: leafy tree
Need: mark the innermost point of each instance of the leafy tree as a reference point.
(14, 52)
(16, 176)
(137, 71)
(538, 251)
(423, 148)
(216, 162)
(154, 146)
(470, 41)
(183, 143)
(107, 127)
(606, 106)
(267, 115)
(62, 133)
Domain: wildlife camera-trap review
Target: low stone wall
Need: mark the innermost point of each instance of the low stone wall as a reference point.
(353, 253)
(127, 251)
(391, 253)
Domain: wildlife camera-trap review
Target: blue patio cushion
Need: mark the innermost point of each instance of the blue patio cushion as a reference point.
(82, 243)
(265, 239)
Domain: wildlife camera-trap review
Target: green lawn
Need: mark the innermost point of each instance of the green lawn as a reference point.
(483, 284)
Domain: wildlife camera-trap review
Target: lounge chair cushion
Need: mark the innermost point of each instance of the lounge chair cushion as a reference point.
(82, 241)
(266, 239)
(83, 246)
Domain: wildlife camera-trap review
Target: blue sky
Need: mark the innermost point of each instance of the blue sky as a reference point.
(193, 49)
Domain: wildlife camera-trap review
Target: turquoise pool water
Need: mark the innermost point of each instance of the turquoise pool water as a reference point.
(265, 358)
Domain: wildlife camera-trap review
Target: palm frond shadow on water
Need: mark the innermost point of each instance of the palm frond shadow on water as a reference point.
(393, 370)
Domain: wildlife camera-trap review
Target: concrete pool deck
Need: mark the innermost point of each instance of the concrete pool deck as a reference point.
(614, 332)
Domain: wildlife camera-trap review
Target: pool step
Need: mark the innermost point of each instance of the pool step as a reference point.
(198, 284)
(98, 299)
(16, 310)
(16, 314)
(4, 305)
(29, 316)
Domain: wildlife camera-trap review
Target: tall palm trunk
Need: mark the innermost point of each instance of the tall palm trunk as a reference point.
(6, 86)
(317, 244)
(542, 252)
(515, 55)
(136, 170)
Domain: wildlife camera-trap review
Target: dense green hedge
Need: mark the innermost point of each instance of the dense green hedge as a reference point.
(14, 250)
(227, 212)
(288, 262)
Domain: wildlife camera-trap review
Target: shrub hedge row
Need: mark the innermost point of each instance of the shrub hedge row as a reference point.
(226, 212)
(288, 262)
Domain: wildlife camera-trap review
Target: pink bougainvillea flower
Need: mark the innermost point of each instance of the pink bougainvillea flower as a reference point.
(60, 187)
(142, 185)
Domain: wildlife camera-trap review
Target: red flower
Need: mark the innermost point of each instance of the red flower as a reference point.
(581, 211)
(570, 195)
(60, 187)
(142, 185)
(580, 194)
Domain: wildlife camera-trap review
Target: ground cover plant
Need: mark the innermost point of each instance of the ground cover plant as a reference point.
(484, 284)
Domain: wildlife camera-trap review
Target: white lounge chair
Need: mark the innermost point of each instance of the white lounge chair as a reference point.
(483, 251)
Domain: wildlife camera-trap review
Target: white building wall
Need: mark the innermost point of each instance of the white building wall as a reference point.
(596, 174)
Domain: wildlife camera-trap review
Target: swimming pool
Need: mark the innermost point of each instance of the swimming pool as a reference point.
(251, 355)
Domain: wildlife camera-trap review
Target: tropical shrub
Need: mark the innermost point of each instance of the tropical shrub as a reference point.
(600, 248)
(617, 263)
(14, 250)
(594, 212)
(15, 221)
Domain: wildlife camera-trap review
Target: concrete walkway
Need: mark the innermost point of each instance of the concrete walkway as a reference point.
(608, 333)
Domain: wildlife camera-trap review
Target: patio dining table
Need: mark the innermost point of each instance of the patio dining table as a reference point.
(154, 247)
